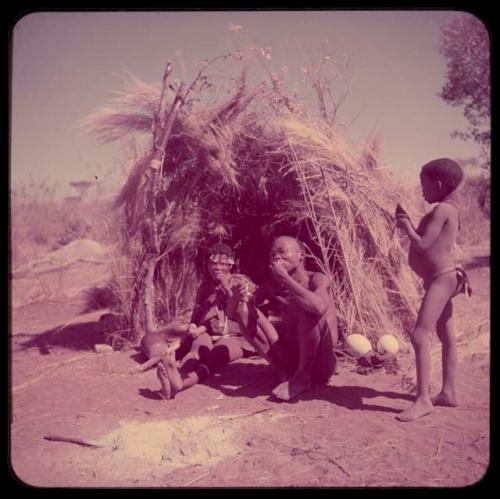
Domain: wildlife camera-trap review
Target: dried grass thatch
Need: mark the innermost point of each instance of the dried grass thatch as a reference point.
(246, 171)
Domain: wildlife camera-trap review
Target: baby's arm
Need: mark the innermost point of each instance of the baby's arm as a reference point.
(438, 217)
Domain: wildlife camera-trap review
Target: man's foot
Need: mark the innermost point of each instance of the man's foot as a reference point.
(166, 389)
(418, 410)
(445, 400)
(291, 388)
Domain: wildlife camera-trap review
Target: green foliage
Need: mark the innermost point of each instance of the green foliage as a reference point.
(466, 46)
(474, 202)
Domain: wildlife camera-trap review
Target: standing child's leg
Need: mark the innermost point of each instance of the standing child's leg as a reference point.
(446, 334)
(436, 297)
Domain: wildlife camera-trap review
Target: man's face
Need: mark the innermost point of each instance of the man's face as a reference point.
(219, 265)
(286, 251)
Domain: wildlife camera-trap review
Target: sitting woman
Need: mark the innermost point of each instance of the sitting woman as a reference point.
(220, 341)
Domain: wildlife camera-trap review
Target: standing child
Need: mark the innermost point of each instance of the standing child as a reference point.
(430, 258)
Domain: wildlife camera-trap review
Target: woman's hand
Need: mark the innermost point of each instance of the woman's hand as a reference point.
(238, 292)
(224, 281)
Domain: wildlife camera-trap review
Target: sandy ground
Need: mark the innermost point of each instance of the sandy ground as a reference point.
(227, 432)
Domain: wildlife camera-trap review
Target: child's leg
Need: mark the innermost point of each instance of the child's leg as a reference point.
(223, 352)
(446, 334)
(172, 381)
(177, 375)
(433, 304)
(199, 349)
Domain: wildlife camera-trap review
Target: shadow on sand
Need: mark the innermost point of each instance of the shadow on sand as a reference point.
(241, 379)
(81, 336)
(252, 380)
(476, 262)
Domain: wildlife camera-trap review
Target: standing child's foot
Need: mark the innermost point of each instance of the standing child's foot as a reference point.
(418, 410)
(445, 400)
(166, 390)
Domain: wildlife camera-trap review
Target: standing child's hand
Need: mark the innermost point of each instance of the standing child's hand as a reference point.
(403, 222)
(400, 212)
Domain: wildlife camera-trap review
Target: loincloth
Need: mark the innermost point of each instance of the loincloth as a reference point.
(463, 283)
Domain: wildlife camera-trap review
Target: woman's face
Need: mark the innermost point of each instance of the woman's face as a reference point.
(219, 265)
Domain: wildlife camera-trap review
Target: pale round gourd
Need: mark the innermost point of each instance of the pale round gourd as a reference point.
(388, 343)
(357, 344)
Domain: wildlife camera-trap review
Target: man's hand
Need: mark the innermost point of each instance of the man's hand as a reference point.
(279, 272)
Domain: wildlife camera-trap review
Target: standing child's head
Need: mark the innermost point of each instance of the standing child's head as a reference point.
(439, 178)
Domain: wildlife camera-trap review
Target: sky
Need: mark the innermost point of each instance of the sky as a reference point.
(66, 64)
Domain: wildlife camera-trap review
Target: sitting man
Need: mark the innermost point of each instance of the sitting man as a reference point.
(213, 340)
(300, 332)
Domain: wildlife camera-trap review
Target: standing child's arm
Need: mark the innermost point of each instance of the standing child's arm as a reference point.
(438, 217)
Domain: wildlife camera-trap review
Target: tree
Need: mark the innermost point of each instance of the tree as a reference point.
(465, 44)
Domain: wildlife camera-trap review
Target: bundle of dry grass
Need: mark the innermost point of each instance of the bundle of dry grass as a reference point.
(246, 170)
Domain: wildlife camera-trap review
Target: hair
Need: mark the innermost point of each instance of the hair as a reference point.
(221, 249)
(299, 243)
(446, 171)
